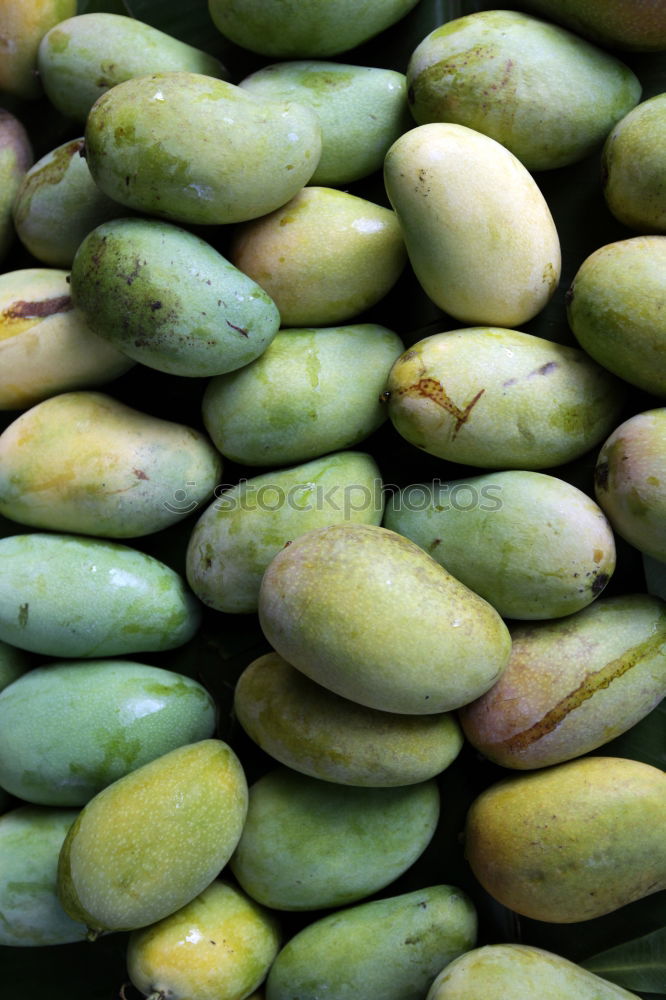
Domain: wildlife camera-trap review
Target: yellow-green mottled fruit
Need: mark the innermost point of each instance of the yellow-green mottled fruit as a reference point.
(69, 596)
(369, 615)
(297, 401)
(194, 149)
(86, 463)
(149, 843)
(498, 398)
(614, 308)
(83, 57)
(541, 91)
(14, 663)
(638, 25)
(361, 109)
(316, 732)
(219, 946)
(30, 914)
(309, 844)
(634, 163)
(168, 299)
(236, 537)
(69, 729)
(387, 949)
(630, 481)
(479, 233)
(572, 685)
(16, 156)
(23, 23)
(523, 972)
(482, 529)
(307, 28)
(324, 257)
(586, 859)
(46, 347)
(58, 203)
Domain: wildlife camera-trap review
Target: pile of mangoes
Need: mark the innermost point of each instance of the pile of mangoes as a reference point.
(332, 496)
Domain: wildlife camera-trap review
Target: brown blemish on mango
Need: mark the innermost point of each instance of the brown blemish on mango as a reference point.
(21, 315)
(430, 388)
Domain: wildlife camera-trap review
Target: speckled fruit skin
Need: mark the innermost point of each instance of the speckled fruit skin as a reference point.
(373, 618)
(194, 149)
(310, 729)
(218, 947)
(543, 92)
(586, 859)
(22, 25)
(633, 167)
(572, 685)
(153, 840)
(497, 971)
(69, 729)
(16, 157)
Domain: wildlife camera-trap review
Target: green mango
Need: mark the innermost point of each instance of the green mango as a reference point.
(324, 257)
(309, 844)
(318, 733)
(30, 914)
(16, 157)
(369, 615)
(57, 203)
(87, 463)
(166, 298)
(498, 398)
(361, 109)
(296, 402)
(573, 841)
(14, 663)
(23, 23)
(295, 28)
(630, 481)
(482, 530)
(574, 684)
(216, 947)
(182, 815)
(81, 58)
(46, 347)
(547, 95)
(194, 149)
(69, 729)
(618, 24)
(236, 537)
(387, 949)
(633, 167)
(479, 233)
(523, 972)
(69, 596)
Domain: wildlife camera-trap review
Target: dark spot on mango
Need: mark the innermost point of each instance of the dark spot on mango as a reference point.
(140, 474)
(37, 310)
(240, 329)
(599, 583)
(601, 475)
(24, 610)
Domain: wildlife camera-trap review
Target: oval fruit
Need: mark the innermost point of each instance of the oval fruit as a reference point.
(16, 157)
(633, 167)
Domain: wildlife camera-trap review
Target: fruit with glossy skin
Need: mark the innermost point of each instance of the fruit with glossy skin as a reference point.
(633, 164)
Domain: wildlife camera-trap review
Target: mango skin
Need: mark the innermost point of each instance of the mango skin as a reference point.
(630, 481)
(482, 530)
(304, 28)
(342, 604)
(586, 860)
(635, 25)
(324, 257)
(572, 685)
(501, 399)
(217, 947)
(166, 298)
(16, 157)
(30, 842)
(236, 537)
(362, 111)
(309, 844)
(318, 733)
(297, 402)
(387, 949)
(194, 149)
(86, 463)
(542, 92)
(84, 56)
(182, 816)
(23, 23)
(523, 972)
(69, 729)
(46, 347)
(633, 167)
(479, 234)
(68, 596)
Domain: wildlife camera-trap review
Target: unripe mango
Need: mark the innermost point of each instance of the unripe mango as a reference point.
(633, 167)
(622, 24)
(23, 23)
(16, 156)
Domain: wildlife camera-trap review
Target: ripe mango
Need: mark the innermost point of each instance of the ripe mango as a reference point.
(23, 23)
